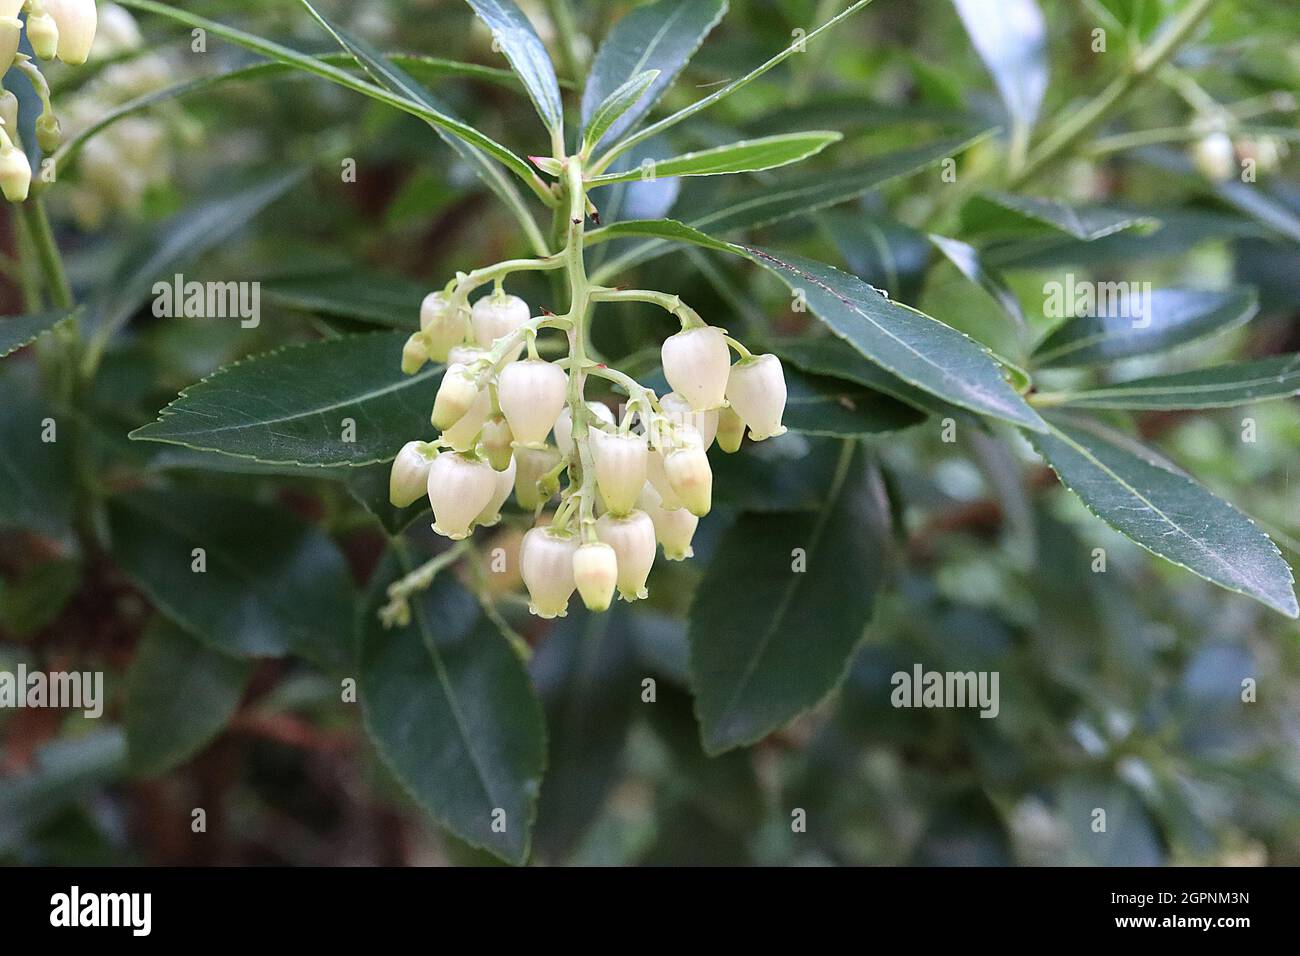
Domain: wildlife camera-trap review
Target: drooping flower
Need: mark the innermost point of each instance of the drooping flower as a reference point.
(696, 363)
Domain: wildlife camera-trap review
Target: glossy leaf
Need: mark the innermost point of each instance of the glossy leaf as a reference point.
(1126, 326)
(451, 711)
(586, 673)
(913, 346)
(612, 108)
(1011, 38)
(768, 640)
(836, 409)
(989, 212)
(746, 156)
(376, 299)
(270, 585)
(23, 330)
(659, 36)
(294, 405)
(179, 695)
(1221, 386)
(517, 39)
(1167, 513)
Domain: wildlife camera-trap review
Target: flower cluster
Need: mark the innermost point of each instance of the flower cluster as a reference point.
(511, 422)
(55, 28)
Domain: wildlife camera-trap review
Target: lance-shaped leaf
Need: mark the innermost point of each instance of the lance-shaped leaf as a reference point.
(747, 156)
(1223, 386)
(22, 330)
(799, 45)
(997, 211)
(612, 108)
(783, 604)
(1011, 38)
(244, 578)
(318, 67)
(912, 346)
(1166, 512)
(660, 36)
(355, 294)
(920, 350)
(179, 695)
(475, 152)
(451, 711)
(829, 407)
(517, 39)
(335, 402)
(1118, 323)
(795, 196)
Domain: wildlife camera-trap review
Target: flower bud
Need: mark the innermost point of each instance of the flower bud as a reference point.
(48, 132)
(11, 31)
(459, 489)
(533, 464)
(595, 571)
(679, 411)
(505, 483)
(531, 394)
(756, 390)
(731, 430)
(1214, 156)
(442, 325)
(463, 435)
(546, 564)
(632, 537)
(673, 527)
(496, 442)
(76, 21)
(15, 173)
(43, 34)
(456, 394)
(496, 315)
(415, 353)
(564, 425)
(409, 478)
(696, 362)
(691, 478)
(620, 460)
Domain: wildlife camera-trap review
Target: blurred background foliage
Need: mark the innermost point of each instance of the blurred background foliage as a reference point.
(1120, 690)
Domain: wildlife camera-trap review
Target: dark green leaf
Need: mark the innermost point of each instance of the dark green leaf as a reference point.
(23, 330)
(1011, 38)
(833, 408)
(968, 262)
(292, 406)
(379, 299)
(746, 156)
(524, 49)
(1222, 386)
(660, 36)
(452, 713)
(1167, 513)
(769, 640)
(272, 585)
(179, 695)
(988, 212)
(1124, 326)
(30, 602)
(368, 484)
(587, 676)
(614, 106)
(36, 475)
